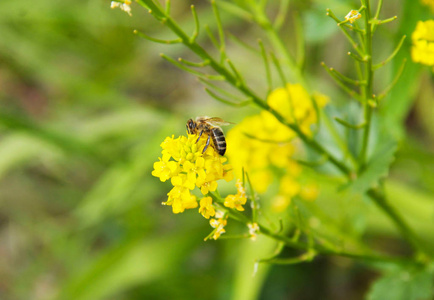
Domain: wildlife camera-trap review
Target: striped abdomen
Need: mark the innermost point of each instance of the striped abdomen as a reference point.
(218, 139)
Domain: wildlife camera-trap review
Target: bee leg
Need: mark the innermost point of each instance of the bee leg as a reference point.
(206, 145)
(200, 134)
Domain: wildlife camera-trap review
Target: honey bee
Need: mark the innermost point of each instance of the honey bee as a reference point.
(209, 126)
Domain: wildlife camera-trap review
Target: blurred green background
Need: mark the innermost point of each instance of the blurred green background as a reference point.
(84, 105)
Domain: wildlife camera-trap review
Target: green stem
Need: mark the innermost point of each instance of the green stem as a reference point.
(406, 231)
(367, 88)
(325, 251)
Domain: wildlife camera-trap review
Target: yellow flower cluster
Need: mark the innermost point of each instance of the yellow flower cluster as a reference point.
(218, 224)
(237, 201)
(423, 43)
(260, 143)
(187, 167)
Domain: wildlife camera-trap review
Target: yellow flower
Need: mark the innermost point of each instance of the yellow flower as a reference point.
(422, 50)
(260, 142)
(180, 199)
(253, 230)
(240, 188)
(309, 192)
(237, 201)
(187, 167)
(165, 169)
(280, 203)
(288, 186)
(206, 208)
(352, 16)
(218, 223)
(123, 6)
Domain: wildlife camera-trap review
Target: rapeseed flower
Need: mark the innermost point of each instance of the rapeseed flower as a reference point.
(422, 50)
(218, 224)
(260, 143)
(253, 230)
(206, 208)
(352, 16)
(187, 166)
(124, 6)
(237, 201)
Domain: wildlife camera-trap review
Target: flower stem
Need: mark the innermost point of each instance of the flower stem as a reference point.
(368, 87)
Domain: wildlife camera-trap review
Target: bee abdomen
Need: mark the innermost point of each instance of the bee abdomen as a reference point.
(219, 140)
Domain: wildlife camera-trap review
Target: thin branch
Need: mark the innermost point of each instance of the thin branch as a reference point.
(281, 15)
(236, 10)
(225, 101)
(196, 23)
(235, 71)
(351, 126)
(393, 83)
(379, 5)
(279, 69)
(358, 58)
(391, 56)
(350, 92)
(192, 71)
(347, 79)
(193, 64)
(299, 39)
(222, 91)
(167, 42)
(348, 36)
(267, 67)
(168, 6)
(222, 47)
(212, 37)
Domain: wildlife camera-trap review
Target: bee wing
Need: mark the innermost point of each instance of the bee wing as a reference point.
(216, 121)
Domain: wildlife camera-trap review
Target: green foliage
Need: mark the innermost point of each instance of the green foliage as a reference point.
(84, 104)
(404, 284)
(377, 167)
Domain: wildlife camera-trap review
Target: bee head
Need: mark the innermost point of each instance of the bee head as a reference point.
(191, 126)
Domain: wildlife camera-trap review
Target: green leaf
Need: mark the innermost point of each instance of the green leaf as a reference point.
(377, 167)
(404, 284)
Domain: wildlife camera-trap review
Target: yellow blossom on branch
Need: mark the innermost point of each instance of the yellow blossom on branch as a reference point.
(253, 230)
(422, 38)
(260, 142)
(237, 201)
(206, 208)
(125, 6)
(218, 223)
(187, 166)
(352, 16)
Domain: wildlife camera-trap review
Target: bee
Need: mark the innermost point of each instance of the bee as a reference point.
(209, 126)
